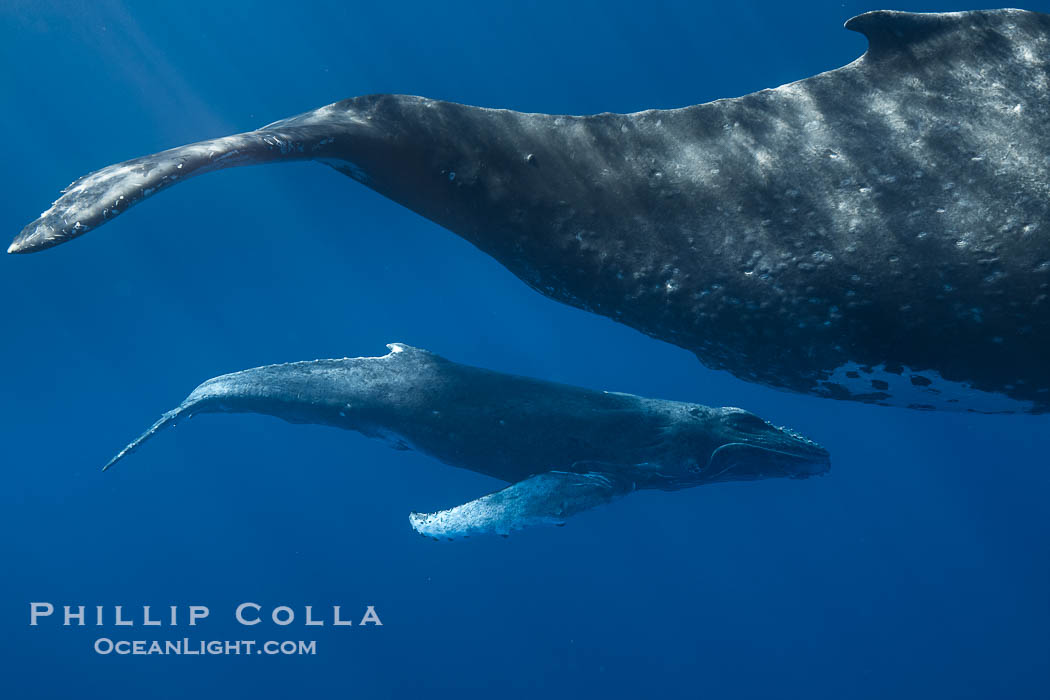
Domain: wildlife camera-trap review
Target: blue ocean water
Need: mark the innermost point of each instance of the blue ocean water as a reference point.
(919, 567)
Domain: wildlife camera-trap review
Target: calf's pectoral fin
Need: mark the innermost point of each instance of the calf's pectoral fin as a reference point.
(544, 499)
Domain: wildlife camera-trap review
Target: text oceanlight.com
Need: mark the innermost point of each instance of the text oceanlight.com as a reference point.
(189, 647)
(248, 614)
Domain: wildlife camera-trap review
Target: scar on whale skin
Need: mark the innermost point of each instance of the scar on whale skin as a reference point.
(889, 213)
(564, 449)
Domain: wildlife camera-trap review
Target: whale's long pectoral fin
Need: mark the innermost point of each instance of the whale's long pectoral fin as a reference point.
(545, 499)
(97, 197)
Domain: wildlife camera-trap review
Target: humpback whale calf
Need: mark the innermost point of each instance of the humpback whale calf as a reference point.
(879, 232)
(565, 449)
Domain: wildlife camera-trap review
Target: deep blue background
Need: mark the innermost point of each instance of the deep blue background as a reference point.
(919, 567)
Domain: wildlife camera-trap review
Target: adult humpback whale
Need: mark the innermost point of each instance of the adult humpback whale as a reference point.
(879, 232)
(566, 449)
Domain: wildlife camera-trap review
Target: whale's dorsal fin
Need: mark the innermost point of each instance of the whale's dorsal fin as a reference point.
(889, 30)
(891, 33)
(544, 499)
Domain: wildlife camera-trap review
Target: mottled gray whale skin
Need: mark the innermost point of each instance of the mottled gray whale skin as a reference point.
(565, 449)
(879, 232)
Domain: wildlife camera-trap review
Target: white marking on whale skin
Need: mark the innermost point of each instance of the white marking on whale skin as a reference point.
(910, 389)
